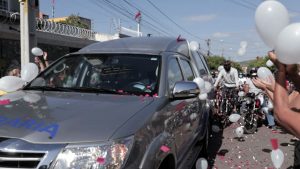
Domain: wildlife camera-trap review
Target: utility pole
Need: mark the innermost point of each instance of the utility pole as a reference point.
(53, 8)
(27, 30)
(222, 52)
(208, 47)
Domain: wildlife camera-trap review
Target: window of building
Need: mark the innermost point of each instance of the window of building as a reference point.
(3, 5)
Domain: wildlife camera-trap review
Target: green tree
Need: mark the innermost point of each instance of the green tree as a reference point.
(74, 20)
(260, 62)
(215, 61)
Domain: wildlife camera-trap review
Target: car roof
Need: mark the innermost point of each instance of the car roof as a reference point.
(138, 45)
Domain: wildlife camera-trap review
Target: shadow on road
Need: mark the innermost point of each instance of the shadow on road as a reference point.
(215, 142)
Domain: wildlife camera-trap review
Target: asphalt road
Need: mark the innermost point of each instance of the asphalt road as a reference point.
(226, 151)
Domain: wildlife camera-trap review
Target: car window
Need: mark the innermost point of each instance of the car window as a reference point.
(116, 72)
(188, 72)
(174, 73)
(200, 64)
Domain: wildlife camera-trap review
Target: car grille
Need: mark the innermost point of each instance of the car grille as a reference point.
(24, 160)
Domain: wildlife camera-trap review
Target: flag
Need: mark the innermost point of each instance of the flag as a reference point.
(138, 17)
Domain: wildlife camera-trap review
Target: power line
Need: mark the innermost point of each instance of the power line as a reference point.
(250, 3)
(183, 29)
(144, 12)
(124, 12)
(250, 7)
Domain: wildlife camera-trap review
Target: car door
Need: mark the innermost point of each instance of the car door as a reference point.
(193, 104)
(181, 110)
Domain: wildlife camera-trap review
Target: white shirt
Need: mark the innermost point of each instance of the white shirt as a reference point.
(230, 78)
(252, 87)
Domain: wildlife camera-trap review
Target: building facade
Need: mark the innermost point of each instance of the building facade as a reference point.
(48, 39)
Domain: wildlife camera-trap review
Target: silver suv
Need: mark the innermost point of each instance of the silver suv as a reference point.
(129, 103)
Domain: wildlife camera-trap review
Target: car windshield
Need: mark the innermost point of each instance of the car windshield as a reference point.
(112, 73)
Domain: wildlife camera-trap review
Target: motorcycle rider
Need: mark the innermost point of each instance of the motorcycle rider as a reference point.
(265, 109)
(230, 80)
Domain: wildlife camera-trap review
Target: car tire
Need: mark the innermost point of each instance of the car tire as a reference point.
(167, 163)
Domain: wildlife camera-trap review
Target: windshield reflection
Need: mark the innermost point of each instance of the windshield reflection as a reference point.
(124, 73)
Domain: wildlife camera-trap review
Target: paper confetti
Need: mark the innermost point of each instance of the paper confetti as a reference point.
(165, 149)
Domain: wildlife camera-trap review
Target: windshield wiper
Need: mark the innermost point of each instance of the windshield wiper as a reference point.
(95, 90)
(48, 88)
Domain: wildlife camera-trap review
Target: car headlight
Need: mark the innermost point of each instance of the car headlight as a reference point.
(110, 155)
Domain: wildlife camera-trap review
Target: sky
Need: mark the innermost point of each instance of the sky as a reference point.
(225, 22)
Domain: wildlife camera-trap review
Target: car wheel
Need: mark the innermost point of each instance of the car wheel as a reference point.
(168, 163)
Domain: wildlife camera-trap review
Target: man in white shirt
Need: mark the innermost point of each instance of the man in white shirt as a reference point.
(229, 76)
(230, 79)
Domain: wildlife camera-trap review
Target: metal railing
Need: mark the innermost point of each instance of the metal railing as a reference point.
(44, 25)
(8, 16)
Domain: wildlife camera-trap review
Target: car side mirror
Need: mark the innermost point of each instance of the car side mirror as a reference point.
(185, 90)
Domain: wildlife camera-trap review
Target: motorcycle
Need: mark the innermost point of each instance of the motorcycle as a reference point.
(251, 113)
(224, 105)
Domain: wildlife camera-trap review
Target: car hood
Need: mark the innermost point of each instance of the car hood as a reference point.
(65, 117)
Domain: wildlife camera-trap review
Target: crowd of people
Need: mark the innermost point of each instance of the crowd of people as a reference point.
(282, 91)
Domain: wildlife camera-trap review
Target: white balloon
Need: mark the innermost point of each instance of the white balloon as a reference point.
(11, 83)
(277, 158)
(37, 51)
(241, 93)
(287, 46)
(241, 51)
(215, 128)
(220, 68)
(270, 18)
(269, 63)
(200, 83)
(29, 72)
(14, 96)
(239, 131)
(264, 73)
(203, 96)
(32, 98)
(194, 45)
(243, 44)
(234, 117)
(201, 163)
(207, 87)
